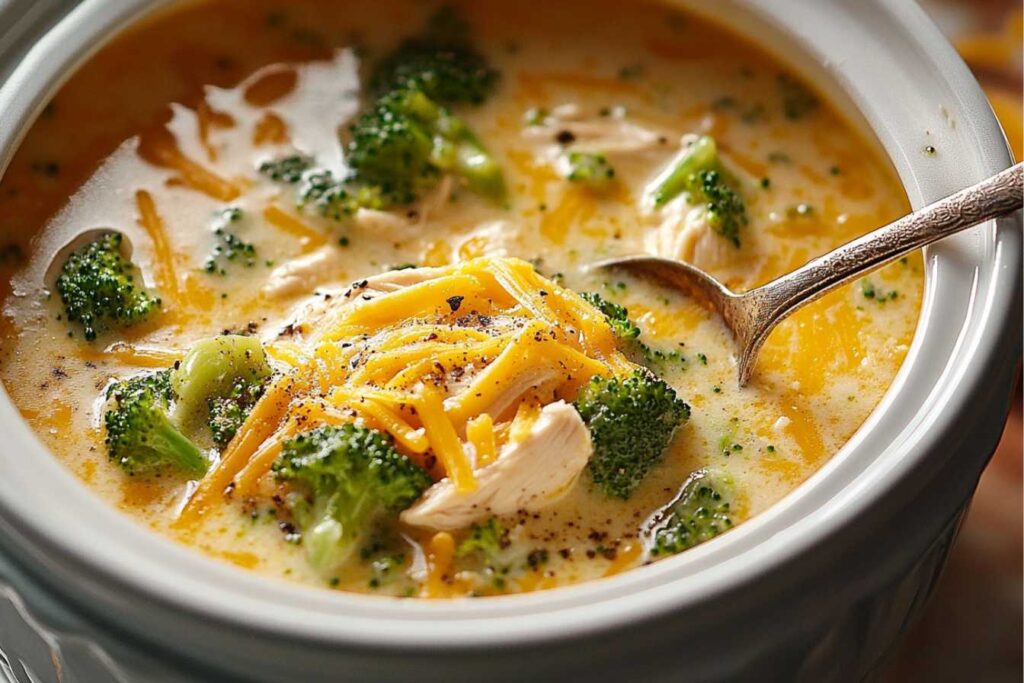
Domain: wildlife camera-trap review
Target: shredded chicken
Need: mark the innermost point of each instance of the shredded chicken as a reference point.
(493, 238)
(528, 475)
(436, 199)
(308, 312)
(683, 234)
(393, 280)
(611, 135)
(303, 273)
(383, 224)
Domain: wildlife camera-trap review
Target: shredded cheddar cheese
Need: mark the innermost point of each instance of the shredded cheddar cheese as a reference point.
(480, 432)
(453, 363)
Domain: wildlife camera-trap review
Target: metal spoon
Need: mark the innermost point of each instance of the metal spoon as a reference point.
(751, 316)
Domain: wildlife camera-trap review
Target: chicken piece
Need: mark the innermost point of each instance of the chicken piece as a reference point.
(683, 234)
(607, 135)
(383, 225)
(310, 311)
(529, 475)
(436, 199)
(302, 274)
(493, 238)
(394, 280)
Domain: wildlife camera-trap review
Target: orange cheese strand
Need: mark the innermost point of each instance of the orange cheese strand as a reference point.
(262, 460)
(159, 148)
(480, 432)
(266, 415)
(286, 352)
(389, 420)
(138, 356)
(574, 209)
(430, 297)
(522, 423)
(405, 335)
(470, 354)
(163, 256)
(444, 440)
(440, 553)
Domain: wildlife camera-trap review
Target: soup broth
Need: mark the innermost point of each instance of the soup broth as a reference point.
(161, 137)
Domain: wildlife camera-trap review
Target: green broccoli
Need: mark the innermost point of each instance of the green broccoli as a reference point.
(441, 63)
(218, 382)
(97, 286)
(590, 169)
(227, 413)
(399, 148)
(698, 172)
(797, 100)
(726, 211)
(701, 511)
(631, 422)
(288, 169)
(345, 480)
(141, 436)
(407, 141)
(338, 198)
(488, 539)
(617, 316)
(629, 335)
(229, 246)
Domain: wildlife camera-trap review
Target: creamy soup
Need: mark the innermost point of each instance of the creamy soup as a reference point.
(362, 334)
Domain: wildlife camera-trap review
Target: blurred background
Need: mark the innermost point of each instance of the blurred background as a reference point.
(973, 630)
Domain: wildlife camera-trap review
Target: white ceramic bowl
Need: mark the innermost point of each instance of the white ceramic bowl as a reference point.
(817, 588)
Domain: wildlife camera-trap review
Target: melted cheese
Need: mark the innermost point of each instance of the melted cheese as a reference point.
(246, 91)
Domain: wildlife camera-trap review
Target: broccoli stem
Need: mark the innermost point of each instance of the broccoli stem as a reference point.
(211, 368)
(323, 538)
(702, 154)
(456, 148)
(479, 168)
(166, 439)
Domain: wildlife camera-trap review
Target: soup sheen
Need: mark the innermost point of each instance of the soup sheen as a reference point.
(168, 125)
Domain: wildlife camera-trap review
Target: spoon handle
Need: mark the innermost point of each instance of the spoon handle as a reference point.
(999, 195)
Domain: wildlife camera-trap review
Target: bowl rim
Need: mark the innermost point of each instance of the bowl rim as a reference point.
(986, 261)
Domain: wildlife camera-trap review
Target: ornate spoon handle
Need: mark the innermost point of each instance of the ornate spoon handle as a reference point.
(997, 196)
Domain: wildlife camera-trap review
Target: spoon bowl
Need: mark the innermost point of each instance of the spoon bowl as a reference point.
(751, 316)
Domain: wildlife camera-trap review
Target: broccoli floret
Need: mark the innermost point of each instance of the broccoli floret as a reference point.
(698, 172)
(701, 511)
(590, 169)
(488, 539)
(217, 383)
(797, 100)
(407, 141)
(629, 335)
(441, 63)
(631, 422)
(399, 148)
(141, 437)
(287, 169)
(97, 286)
(227, 413)
(346, 479)
(338, 198)
(617, 316)
(726, 211)
(229, 246)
